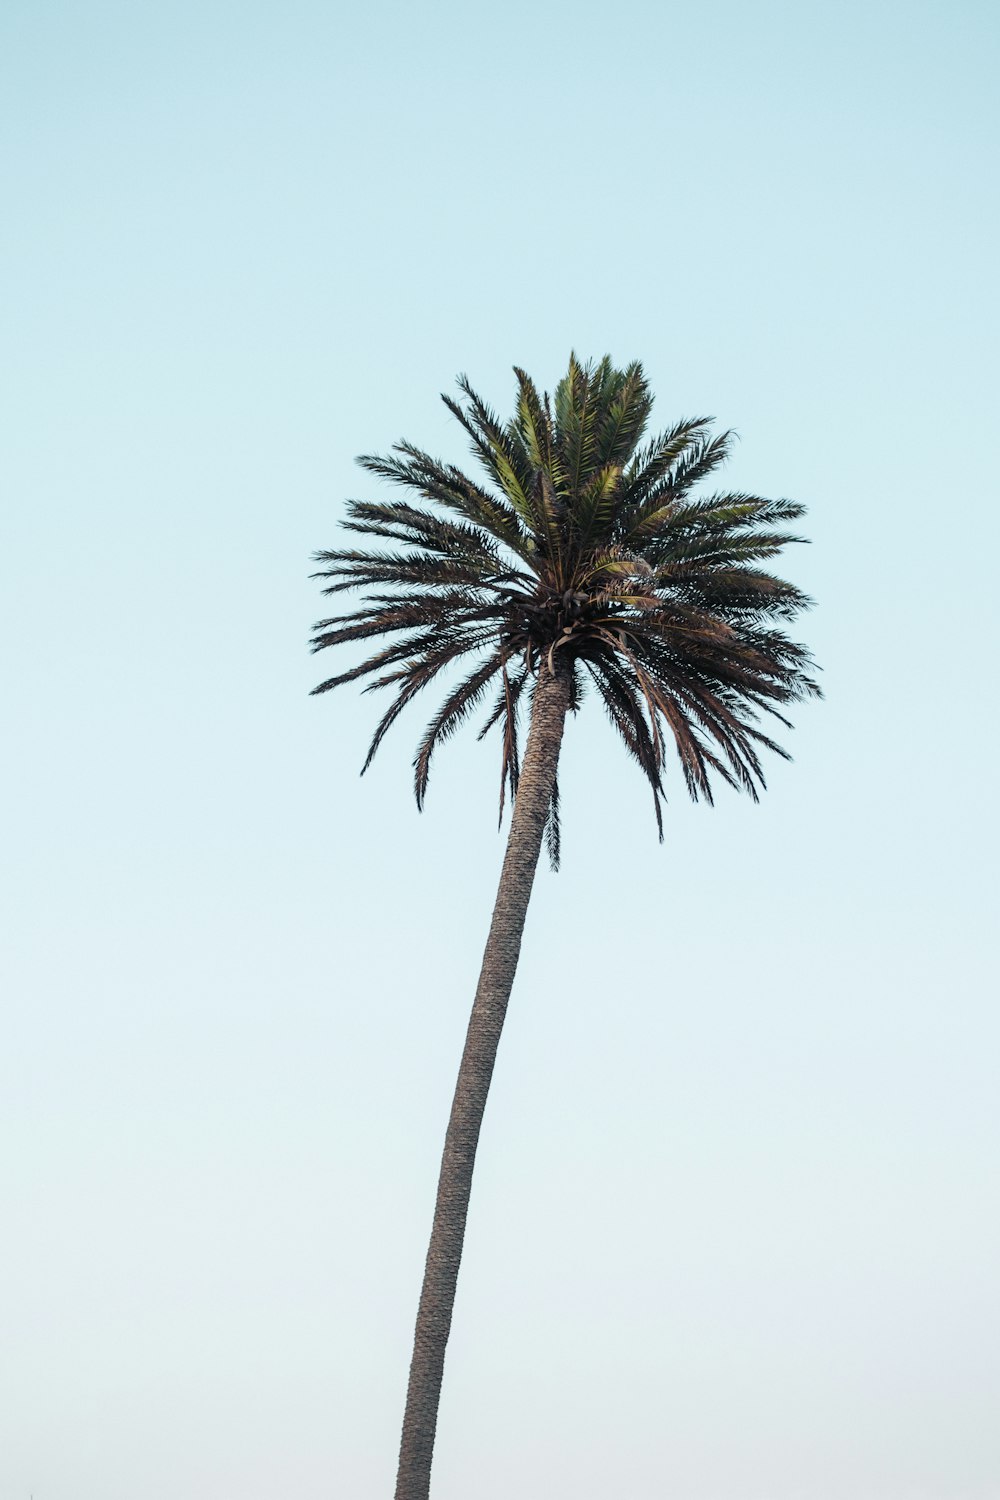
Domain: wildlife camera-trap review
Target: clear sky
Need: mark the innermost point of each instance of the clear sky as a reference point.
(735, 1229)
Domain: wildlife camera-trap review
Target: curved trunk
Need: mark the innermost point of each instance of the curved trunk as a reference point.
(437, 1297)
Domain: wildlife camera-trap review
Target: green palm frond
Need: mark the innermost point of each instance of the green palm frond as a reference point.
(588, 542)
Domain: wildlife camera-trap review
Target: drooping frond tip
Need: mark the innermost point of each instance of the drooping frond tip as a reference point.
(579, 536)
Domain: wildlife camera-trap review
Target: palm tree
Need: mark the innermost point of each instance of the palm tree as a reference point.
(583, 560)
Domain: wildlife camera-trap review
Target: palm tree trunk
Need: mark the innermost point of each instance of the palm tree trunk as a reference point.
(503, 946)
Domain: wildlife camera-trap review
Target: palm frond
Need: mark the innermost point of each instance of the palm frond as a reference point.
(456, 707)
(553, 832)
(584, 543)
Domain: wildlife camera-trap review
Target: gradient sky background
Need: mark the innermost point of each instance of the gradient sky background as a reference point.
(735, 1230)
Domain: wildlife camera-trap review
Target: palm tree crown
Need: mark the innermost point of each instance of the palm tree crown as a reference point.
(585, 544)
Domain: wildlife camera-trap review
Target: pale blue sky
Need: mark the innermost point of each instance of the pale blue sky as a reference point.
(735, 1227)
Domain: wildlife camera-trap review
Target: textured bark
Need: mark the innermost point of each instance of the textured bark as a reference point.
(503, 946)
